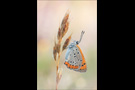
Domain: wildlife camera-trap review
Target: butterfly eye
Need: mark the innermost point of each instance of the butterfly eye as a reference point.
(77, 42)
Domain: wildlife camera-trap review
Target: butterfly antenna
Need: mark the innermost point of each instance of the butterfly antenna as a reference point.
(81, 36)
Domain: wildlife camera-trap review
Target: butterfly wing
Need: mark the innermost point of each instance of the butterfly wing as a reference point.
(75, 59)
(80, 55)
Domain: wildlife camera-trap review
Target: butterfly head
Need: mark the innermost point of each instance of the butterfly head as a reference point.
(75, 42)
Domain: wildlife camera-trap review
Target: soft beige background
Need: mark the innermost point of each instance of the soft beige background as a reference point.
(83, 16)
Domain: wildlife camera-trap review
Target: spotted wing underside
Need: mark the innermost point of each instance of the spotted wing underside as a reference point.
(74, 59)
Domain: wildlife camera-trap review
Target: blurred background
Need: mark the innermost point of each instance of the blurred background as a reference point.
(83, 16)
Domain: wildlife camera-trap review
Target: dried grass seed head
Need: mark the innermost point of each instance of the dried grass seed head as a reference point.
(54, 52)
(66, 43)
(58, 48)
(64, 24)
(59, 33)
(65, 19)
(65, 29)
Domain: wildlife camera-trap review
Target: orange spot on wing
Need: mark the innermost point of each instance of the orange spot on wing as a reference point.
(70, 66)
(83, 67)
(73, 67)
(66, 63)
(76, 67)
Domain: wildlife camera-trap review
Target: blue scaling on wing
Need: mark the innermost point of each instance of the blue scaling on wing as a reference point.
(67, 54)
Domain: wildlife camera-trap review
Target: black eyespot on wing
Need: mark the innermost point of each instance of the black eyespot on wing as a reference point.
(80, 60)
(73, 61)
(76, 49)
(84, 63)
(74, 53)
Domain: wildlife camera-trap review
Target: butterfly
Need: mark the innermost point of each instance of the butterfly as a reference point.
(74, 58)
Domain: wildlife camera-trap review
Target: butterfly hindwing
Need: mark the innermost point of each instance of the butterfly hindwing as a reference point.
(73, 59)
(83, 67)
(77, 56)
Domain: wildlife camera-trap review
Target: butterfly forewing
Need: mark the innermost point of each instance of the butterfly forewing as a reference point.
(74, 58)
(83, 67)
(77, 56)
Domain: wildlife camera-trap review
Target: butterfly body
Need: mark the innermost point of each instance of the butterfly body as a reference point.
(74, 58)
